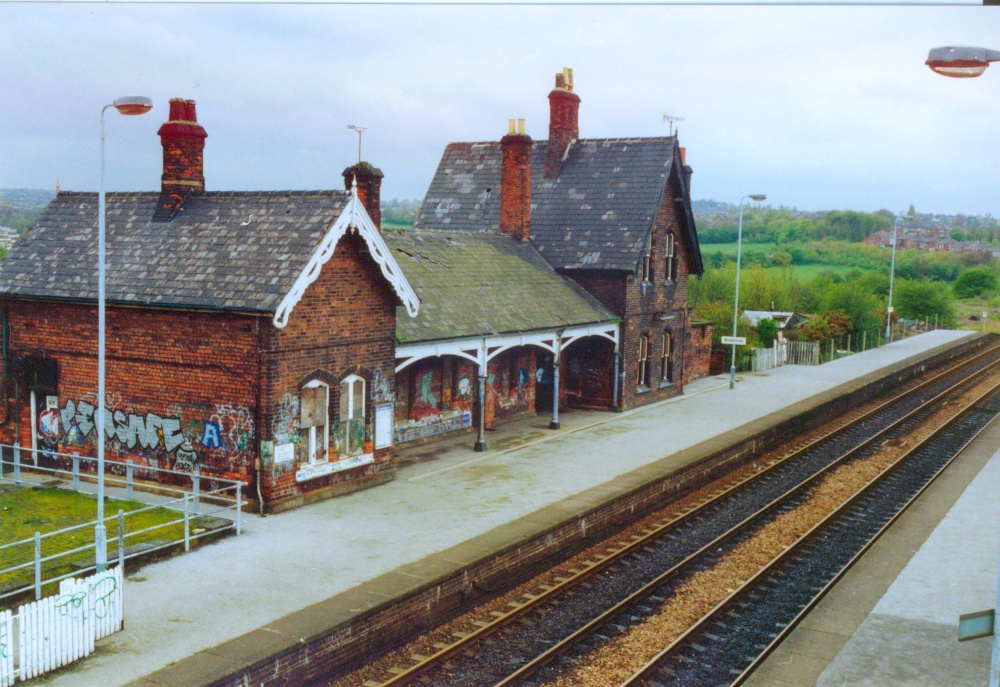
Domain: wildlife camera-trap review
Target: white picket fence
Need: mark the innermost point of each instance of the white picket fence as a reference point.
(58, 630)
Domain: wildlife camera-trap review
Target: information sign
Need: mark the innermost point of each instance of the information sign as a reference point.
(975, 625)
(737, 340)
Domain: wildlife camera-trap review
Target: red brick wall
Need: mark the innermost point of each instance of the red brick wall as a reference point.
(344, 324)
(698, 351)
(510, 385)
(180, 386)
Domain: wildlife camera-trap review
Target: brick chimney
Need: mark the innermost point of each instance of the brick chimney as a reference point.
(369, 188)
(515, 182)
(564, 124)
(686, 169)
(183, 140)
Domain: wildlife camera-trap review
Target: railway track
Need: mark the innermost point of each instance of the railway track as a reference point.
(727, 644)
(543, 635)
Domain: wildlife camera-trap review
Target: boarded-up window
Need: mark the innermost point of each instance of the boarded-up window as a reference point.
(313, 403)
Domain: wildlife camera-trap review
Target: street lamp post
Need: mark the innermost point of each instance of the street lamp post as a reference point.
(128, 105)
(965, 63)
(892, 272)
(961, 63)
(736, 305)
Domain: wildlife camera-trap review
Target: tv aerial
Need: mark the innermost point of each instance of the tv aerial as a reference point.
(671, 119)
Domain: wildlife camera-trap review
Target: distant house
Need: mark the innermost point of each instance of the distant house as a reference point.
(787, 321)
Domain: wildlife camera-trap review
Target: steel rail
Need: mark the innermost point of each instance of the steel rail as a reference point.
(616, 551)
(646, 590)
(744, 589)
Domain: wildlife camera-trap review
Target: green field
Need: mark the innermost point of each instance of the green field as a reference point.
(730, 248)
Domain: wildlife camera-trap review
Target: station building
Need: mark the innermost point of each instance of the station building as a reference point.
(287, 340)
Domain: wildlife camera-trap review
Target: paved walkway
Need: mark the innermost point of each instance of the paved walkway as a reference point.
(443, 495)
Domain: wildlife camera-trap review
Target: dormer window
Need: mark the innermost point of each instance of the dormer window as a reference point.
(647, 260)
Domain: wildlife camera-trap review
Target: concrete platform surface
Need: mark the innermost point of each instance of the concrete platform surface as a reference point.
(444, 495)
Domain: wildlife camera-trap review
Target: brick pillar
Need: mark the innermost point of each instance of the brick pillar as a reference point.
(369, 188)
(183, 140)
(564, 122)
(515, 183)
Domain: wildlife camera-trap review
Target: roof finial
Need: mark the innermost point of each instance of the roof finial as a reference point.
(58, 189)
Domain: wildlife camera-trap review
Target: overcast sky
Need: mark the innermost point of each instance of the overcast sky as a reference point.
(820, 107)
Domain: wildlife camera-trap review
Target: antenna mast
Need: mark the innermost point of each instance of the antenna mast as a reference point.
(671, 119)
(360, 130)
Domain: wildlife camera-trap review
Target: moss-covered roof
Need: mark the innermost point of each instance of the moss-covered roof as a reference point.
(478, 284)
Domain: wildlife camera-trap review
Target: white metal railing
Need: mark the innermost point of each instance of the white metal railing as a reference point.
(26, 561)
(55, 631)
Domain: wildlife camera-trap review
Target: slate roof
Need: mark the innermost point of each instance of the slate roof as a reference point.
(474, 284)
(233, 250)
(596, 214)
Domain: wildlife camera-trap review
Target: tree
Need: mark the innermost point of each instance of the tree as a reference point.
(826, 325)
(923, 299)
(860, 306)
(974, 282)
(767, 330)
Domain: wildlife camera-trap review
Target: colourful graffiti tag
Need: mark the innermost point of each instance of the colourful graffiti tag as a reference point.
(224, 432)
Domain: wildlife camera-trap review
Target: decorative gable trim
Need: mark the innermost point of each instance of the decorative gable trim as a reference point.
(354, 217)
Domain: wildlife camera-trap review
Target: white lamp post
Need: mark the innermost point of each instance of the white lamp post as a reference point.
(736, 305)
(961, 63)
(128, 105)
(892, 272)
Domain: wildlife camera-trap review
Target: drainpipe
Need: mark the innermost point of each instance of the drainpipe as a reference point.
(554, 424)
(257, 400)
(480, 445)
(615, 373)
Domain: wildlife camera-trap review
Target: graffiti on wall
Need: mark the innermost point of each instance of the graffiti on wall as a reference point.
(381, 392)
(285, 422)
(213, 436)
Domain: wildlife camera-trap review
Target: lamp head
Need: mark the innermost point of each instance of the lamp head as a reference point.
(133, 105)
(757, 196)
(959, 62)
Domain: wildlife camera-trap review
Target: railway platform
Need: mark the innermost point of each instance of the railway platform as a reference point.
(195, 619)
(892, 620)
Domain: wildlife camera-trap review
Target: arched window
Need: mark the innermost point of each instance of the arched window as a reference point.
(670, 265)
(643, 371)
(352, 416)
(647, 260)
(666, 359)
(315, 420)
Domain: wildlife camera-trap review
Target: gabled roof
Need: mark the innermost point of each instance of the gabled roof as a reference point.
(481, 284)
(596, 214)
(244, 251)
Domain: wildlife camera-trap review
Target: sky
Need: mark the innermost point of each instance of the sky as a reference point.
(821, 107)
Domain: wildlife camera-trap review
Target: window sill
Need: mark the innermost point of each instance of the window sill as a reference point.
(666, 383)
(327, 467)
(642, 390)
